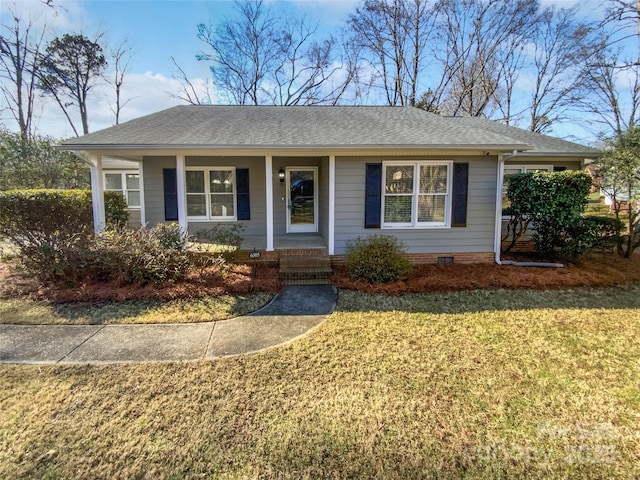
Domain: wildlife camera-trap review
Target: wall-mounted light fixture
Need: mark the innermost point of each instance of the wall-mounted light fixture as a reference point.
(281, 175)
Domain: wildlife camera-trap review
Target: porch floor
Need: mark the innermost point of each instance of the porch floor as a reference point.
(291, 241)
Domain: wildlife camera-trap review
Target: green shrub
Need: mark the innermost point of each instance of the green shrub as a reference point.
(116, 210)
(53, 229)
(600, 232)
(141, 256)
(377, 259)
(46, 211)
(228, 237)
(48, 227)
(553, 203)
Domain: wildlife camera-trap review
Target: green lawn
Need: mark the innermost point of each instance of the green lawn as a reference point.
(491, 384)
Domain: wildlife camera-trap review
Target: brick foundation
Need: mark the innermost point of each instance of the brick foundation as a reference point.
(274, 257)
(422, 258)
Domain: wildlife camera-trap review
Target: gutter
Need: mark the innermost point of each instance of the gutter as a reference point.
(498, 225)
(306, 147)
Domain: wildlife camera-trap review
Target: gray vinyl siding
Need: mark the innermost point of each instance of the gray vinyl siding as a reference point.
(153, 188)
(570, 164)
(257, 191)
(280, 211)
(134, 218)
(477, 236)
(154, 195)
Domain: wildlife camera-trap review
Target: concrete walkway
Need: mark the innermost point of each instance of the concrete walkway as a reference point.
(291, 314)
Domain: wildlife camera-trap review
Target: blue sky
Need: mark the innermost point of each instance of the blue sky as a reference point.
(160, 29)
(157, 30)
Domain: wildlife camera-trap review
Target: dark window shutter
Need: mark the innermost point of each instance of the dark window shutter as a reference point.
(242, 194)
(559, 169)
(170, 186)
(373, 195)
(460, 190)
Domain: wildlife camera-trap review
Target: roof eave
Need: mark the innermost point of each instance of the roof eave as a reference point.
(595, 153)
(488, 147)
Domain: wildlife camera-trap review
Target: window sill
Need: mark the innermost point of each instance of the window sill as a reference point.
(416, 227)
(211, 220)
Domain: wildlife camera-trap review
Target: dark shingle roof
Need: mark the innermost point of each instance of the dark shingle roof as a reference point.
(542, 144)
(307, 127)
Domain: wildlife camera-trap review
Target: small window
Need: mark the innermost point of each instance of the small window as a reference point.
(416, 194)
(127, 183)
(211, 193)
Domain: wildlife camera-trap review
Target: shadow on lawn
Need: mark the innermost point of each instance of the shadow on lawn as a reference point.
(99, 313)
(620, 297)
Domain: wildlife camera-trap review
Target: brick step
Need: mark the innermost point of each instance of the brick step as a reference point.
(307, 281)
(295, 261)
(305, 272)
(305, 269)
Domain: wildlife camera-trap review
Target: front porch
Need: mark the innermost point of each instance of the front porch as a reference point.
(303, 259)
(290, 241)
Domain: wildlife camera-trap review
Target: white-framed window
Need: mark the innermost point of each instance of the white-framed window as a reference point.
(416, 194)
(511, 170)
(211, 193)
(125, 182)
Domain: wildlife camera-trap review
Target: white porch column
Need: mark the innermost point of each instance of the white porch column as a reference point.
(332, 203)
(268, 166)
(143, 215)
(181, 193)
(97, 193)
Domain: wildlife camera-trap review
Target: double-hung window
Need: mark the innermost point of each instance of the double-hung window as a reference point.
(211, 193)
(416, 194)
(127, 183)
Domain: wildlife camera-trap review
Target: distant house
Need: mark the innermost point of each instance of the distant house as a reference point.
(315, 177)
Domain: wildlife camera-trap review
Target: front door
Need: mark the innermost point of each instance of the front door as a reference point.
(302, 199)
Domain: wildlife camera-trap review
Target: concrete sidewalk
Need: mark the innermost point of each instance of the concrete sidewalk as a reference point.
(291, 314)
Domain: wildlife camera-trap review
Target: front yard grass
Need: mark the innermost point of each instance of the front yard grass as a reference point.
(486, 384)
(24, 311)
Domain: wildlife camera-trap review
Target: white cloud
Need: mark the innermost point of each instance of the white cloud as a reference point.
(61, 17)
(145, 92)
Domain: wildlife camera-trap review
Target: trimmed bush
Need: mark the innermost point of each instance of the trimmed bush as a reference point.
(116, 210)
(53, 229)
(553, 203)
(140, 256)
(47, 211)
(377, 259)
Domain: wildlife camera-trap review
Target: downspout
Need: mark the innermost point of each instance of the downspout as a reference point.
(498, 229)
(497, 245)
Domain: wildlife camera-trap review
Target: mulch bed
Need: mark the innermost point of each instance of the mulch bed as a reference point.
(240, 279)
(596, 271)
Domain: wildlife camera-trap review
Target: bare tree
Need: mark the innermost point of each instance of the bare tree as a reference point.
(475, 39)
(614, 108)
(121, 58)
(21, 44)
(241, 52)
(504, 97)
(395, 34)
(613, 77)
(257, 58)
(559, 41)
(190, 93)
